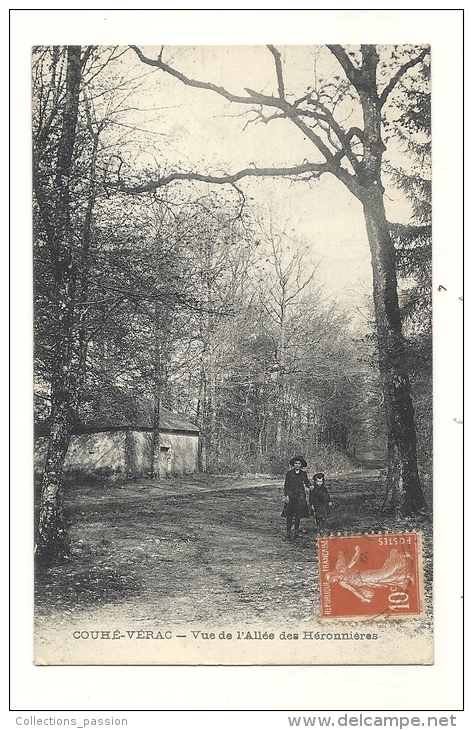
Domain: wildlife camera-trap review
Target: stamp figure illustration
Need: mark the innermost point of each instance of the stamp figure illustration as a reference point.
(369, 576)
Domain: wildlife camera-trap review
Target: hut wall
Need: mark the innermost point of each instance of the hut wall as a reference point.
(94, 452)
(138, 452)
(126, 452)
(182, 457)
(89, 453)
(178, 453)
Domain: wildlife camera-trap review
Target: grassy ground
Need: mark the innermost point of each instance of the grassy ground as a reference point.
(202, 548)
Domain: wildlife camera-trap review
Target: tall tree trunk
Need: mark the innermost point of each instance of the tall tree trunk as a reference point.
(212, 441)
(202, 423)
(207, 388)
(84, 277)
(393, 496)
(51, 538)
(392, 352)
(157, 393)
(402, 443)
(261, 430)
(281, 383)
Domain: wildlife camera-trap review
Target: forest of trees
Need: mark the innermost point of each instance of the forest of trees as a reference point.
(167, 289)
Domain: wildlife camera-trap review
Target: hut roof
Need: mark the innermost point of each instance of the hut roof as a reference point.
(137, 416)
(140, 420)
(171, 422)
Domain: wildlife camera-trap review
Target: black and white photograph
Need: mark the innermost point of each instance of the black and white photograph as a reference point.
(233, 437)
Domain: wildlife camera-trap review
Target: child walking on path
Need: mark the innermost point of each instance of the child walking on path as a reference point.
(320, 500)
(294, 496)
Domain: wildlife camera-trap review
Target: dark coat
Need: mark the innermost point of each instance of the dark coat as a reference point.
(319, 499)
(294, 488)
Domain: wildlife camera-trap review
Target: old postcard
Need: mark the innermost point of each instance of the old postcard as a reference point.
(233, 354)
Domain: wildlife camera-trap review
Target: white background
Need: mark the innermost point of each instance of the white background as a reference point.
(112, 691)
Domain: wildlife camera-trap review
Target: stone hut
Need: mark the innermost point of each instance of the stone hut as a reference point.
(124, 447)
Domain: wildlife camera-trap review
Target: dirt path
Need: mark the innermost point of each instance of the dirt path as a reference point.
(200, 549)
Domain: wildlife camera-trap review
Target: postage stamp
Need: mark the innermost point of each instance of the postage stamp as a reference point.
(375, 576)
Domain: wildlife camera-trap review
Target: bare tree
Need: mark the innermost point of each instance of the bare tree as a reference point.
(287, 276)
(55, 211)
(72, 114)
(354, 156)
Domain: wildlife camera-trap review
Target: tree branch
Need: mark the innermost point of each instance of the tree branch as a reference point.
(277, 62)
(306, 168)
(253, 97)
(250, 99)
(344, 139)
(301, 287)
(344, 61)
(355, 132)
(332, 161)
(400, 73)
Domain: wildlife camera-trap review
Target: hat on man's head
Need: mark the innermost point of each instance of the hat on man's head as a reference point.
(319, 475)
(298, 458)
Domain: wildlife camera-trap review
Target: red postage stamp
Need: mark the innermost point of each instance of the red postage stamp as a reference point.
(370, 576)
